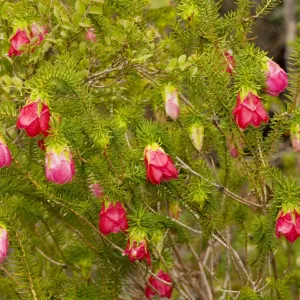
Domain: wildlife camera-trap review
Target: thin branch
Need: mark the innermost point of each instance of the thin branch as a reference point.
(50, 259)
(220, 187)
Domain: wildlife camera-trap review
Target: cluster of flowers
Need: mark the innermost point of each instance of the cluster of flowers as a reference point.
(113, 219)
(249, 109)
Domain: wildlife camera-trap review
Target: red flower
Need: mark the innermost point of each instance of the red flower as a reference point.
(159, 165)
(230, 62)
(23, 37)
(137, 251)
(34, 118)
(90, 35)
(277, 79)
(163, 289)
(59, 165)
(288, 224)
(249, 110)
(112, 218)
(5, 155)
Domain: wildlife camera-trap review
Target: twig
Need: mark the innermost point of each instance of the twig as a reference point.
(220, 187)
(50, 259)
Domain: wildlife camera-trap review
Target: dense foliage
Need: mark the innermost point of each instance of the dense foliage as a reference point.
(138, 152)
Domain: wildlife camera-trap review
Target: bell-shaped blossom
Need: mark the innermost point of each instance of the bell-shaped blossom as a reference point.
(112, 218)
(137, 251)
(3, 243)
(96, 190)
(230, 61)
(249, 110)
(295, 137)
(34, 34)
(91, 35)
(34, 117)
(170, 96)
(59, 164)
(288, 224)
(156, 286)
(159, 165)
(196, 133)
(277, 79)
(5, 154)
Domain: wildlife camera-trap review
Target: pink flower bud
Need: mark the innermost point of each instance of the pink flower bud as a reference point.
(34, 118)
(3, 243)
(137, 251)
(161, 288)
(96, 189)
(277, 80)
(38, 31)
(112, 218)
(159, 165)
(90, 35)
(249, 110)
(230, 61)
(288, 224)
(170, 96)
(59, 165)
(295, 137)
(196, 133)
(5, 155)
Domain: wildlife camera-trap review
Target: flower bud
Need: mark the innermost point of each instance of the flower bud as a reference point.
(5, 155)
(277, 79)
(295, 137)
(90, 35)
(34, 118)
(288, 224)
(137, 251)
(159, 165)
(230, 61)
(59, 165)
(96, 190)
(112, 218)
(170, 96)
(249, 110)
(196, 133)
(3, 243)
(161, 288)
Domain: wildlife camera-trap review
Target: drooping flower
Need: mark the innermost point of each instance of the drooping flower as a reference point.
(196, 133)
(295, 137)
(170, 96)
(249, 110)
(5, 154)
(159, 165)
(112, 218)
(137, 251)
(3, 243)
(288, 224)
(34, 117)
(59, 164)
(161, 288)
(34, 34)
(90, 35)
(277, 79)
(230, 61)
(96, 189)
